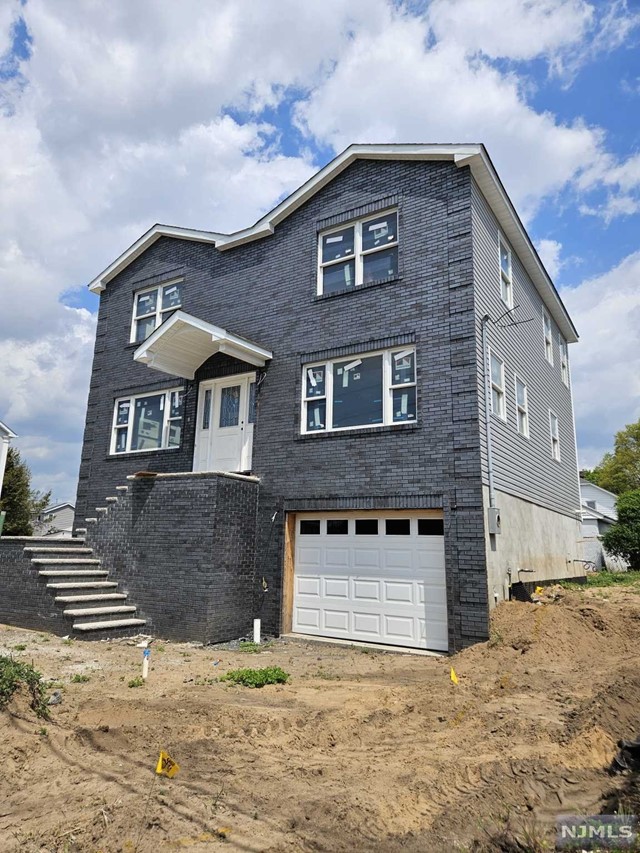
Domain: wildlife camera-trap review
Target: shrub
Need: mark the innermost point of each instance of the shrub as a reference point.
(257, 677)
(12, 675)
(623, 539)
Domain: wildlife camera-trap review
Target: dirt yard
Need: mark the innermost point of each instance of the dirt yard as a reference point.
(361, 751)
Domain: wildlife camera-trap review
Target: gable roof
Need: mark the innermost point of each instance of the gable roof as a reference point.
(473, 155)
(5, 432)
(591, 485)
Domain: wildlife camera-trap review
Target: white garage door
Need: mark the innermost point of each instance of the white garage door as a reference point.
(371, 576)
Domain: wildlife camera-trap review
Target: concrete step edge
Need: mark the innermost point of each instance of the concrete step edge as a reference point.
(66, 561)
(73, 573)
(79, 612)
(81, 585)
(108, 625)
(78, 599)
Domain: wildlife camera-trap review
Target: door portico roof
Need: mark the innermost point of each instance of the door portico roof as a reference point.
(182, 343)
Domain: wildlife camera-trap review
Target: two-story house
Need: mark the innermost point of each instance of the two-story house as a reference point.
(311, 393)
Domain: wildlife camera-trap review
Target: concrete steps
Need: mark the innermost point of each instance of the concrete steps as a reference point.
(81, 588)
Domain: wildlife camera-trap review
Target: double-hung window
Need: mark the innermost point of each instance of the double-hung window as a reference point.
(564, 360)
(555, 435)
(360, 253)
(372, 389)
(522, 407)
(152, 306)
(147, 421)
(506, 277)
(497, 387)
(548, 338)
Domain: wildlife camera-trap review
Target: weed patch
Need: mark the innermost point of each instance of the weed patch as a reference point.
(12, 675)
(599, 580)
(136, 682)
(257, 677)
(80, 679)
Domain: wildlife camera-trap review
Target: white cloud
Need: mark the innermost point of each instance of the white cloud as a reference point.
(122, 116)
(520, 30)
(549, 251)
(605, 364)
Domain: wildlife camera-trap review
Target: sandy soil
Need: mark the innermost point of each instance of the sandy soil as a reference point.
(360, 751)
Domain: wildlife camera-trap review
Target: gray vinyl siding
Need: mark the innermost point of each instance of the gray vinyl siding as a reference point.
(522, 467)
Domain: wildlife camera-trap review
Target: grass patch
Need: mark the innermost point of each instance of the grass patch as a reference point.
(20, 647)
(257, 677)
(249, 647)
(12, 675)
(80, 679)
(136, 682)
(598, 580)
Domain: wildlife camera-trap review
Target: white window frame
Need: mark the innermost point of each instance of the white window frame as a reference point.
(564, 359)
(506, 282)
(547, 334)
(358, 253)
(521, 409)
(388, 387)
(555, 436)
(166, 421)
(157, 314)
(501, 389)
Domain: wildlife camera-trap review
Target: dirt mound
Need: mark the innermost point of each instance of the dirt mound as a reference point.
(360, 751)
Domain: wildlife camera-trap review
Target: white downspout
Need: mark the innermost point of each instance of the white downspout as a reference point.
(487, 409)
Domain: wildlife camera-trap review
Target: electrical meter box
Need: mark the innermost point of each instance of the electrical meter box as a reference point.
(494, 520)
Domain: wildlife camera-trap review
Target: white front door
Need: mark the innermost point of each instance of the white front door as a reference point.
(224, 432)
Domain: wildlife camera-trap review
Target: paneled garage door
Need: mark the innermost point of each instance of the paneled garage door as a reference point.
(371, 576)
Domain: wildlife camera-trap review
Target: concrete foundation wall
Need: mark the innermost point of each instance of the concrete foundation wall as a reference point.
(545, 543)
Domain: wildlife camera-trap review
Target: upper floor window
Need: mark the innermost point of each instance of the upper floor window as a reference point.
(555, 435)
(497, 388)
(506, 278)
(548, 339)
(360, 253)
(147, 421)
(360, 391)
(564, 360)
(522, 408)
(152, 306)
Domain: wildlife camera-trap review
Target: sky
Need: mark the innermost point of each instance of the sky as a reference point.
(116, 115)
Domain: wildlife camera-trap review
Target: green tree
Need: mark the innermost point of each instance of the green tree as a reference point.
(19, 500)
(623, 539)
(619, 471)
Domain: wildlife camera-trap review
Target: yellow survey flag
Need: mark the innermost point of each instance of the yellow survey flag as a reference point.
(454, 677)
(167, 766)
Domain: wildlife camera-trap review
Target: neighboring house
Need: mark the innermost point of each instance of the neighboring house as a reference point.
(55, 521)
(599, 514)
(333, 352)
(6, 435)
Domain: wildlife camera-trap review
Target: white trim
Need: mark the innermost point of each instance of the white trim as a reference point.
(166, 419)
(158, 312)
(555, 439)
(564, 359)
(358, 252)
(182, 343)
(547, 338)
(524, 409)
(503, 279)
(474, 156)
(388, 387)
(5, 432)
(500, 388)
